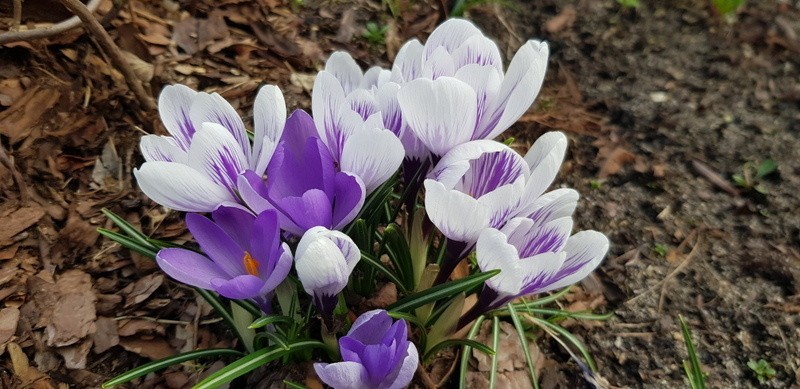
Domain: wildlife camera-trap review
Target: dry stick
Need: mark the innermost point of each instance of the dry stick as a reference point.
(17, 15)
(111, 49)
(427, 381)
(5, 160)
(677, 270)
(46, 32)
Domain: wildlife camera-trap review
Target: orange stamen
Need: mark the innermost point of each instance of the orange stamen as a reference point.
(250, 264)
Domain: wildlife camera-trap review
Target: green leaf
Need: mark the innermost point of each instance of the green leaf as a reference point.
(766, 168)
(692, 368)
(462, 372)
(580, 315)
(294, 385)
(383, 269)
(523, 340)
(252, 361)
(241, 319)
(396, 247)
(457, 342)
(726, 7)
(495, 343)
(446, 323)
(267, 320)
(442, 291)
(161, 364)
(129, 243)
(129, 229)
(558, 332)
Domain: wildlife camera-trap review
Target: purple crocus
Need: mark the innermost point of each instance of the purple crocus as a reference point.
(376, 354)
(302, 183)
(356, 116)
(244, 258)
(482, 184)
(324, 260)
(454, 88)
(195, 169)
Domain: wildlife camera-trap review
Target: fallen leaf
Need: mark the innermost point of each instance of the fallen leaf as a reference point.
(133, 327)
(9, 318)
(74, 313)
(614, 162)
(151, 348)
(75, 355)
(17, 221)
(106, 335)
(19, 120)
(565, 19)
(143, 288)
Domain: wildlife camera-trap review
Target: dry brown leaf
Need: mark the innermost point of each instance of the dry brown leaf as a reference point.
(565, 19)
(18, 121)
(615, 161)
(135, 326)
(18, 220)
(143, 288)
(9, 318)
(74, 313)
(151, 348)
(31, 377)
(75, 355)
(106, 335)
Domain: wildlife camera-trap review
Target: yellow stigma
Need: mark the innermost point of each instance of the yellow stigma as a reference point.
(250, 264)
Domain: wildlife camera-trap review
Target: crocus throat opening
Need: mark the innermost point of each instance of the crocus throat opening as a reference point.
(250, 264)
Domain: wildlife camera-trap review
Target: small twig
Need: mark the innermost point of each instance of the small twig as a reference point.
(46, 32)
(17, 15)
(714, 177)
(9, 164)
(449, 371)
(427, 381)
(112, 51)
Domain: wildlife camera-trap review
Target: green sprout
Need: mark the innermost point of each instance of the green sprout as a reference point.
(376, 34)
(660, 249)
(629, 3)
(462, 6)
(753, 174)
(596, 184)
(764, 372)
(697, 379)
(727, 7)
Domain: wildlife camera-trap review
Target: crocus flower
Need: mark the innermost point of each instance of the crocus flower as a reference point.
(454, 88)
(302, 183)
(244, 258)
(482, 184)
(534, 257)
(195, 169)
(376, 354)
(353, 112)
(324, 260)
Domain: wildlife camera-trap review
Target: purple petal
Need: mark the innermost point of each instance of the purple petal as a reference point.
(253, 191)
(189, 267)
(585, 250)
(292, 175)
(490, 171)
(299, 127)
(485, 80)
(265, 243)
(370, 327)
(236, 222)
(174, 104)
(376, 359)
(311, 209)
(351, 349)
(550, 237)
(217, 244)
(401, 377)
(349, 195)
(282, 267)
(238, 288)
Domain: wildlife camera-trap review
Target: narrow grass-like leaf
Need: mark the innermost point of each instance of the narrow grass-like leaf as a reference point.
(267, 320)
(692, 367)
(495, 342)
(462, 371)
(252, 361)
(249, 306)
(558, 332)
(472, 344)
(581, 315)
(523, 340)
(129, 243)
(294, 385)
(128, 229)
(442, 291)
(396, 247)
(549, 299)
(376, 264)
(167, 362)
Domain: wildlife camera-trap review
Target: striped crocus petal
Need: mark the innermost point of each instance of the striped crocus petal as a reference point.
(345, 70)
(179, 187)
(485, 80)
(372, 153)
(213, 108)
(215, 152)
(408, 62)
(584, 252)
(441, 113)
(174, 105)
(327, 102)
(544, 161)
(324, 260)
(269, 119)
(161, 148)
(450, 35)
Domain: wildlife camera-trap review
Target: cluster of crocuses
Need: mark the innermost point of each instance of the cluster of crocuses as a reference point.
(299, 181)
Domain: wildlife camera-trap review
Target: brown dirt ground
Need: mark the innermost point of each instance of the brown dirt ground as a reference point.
(663, 105)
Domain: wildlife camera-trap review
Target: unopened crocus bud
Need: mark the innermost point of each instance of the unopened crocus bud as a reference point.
(376, 354)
